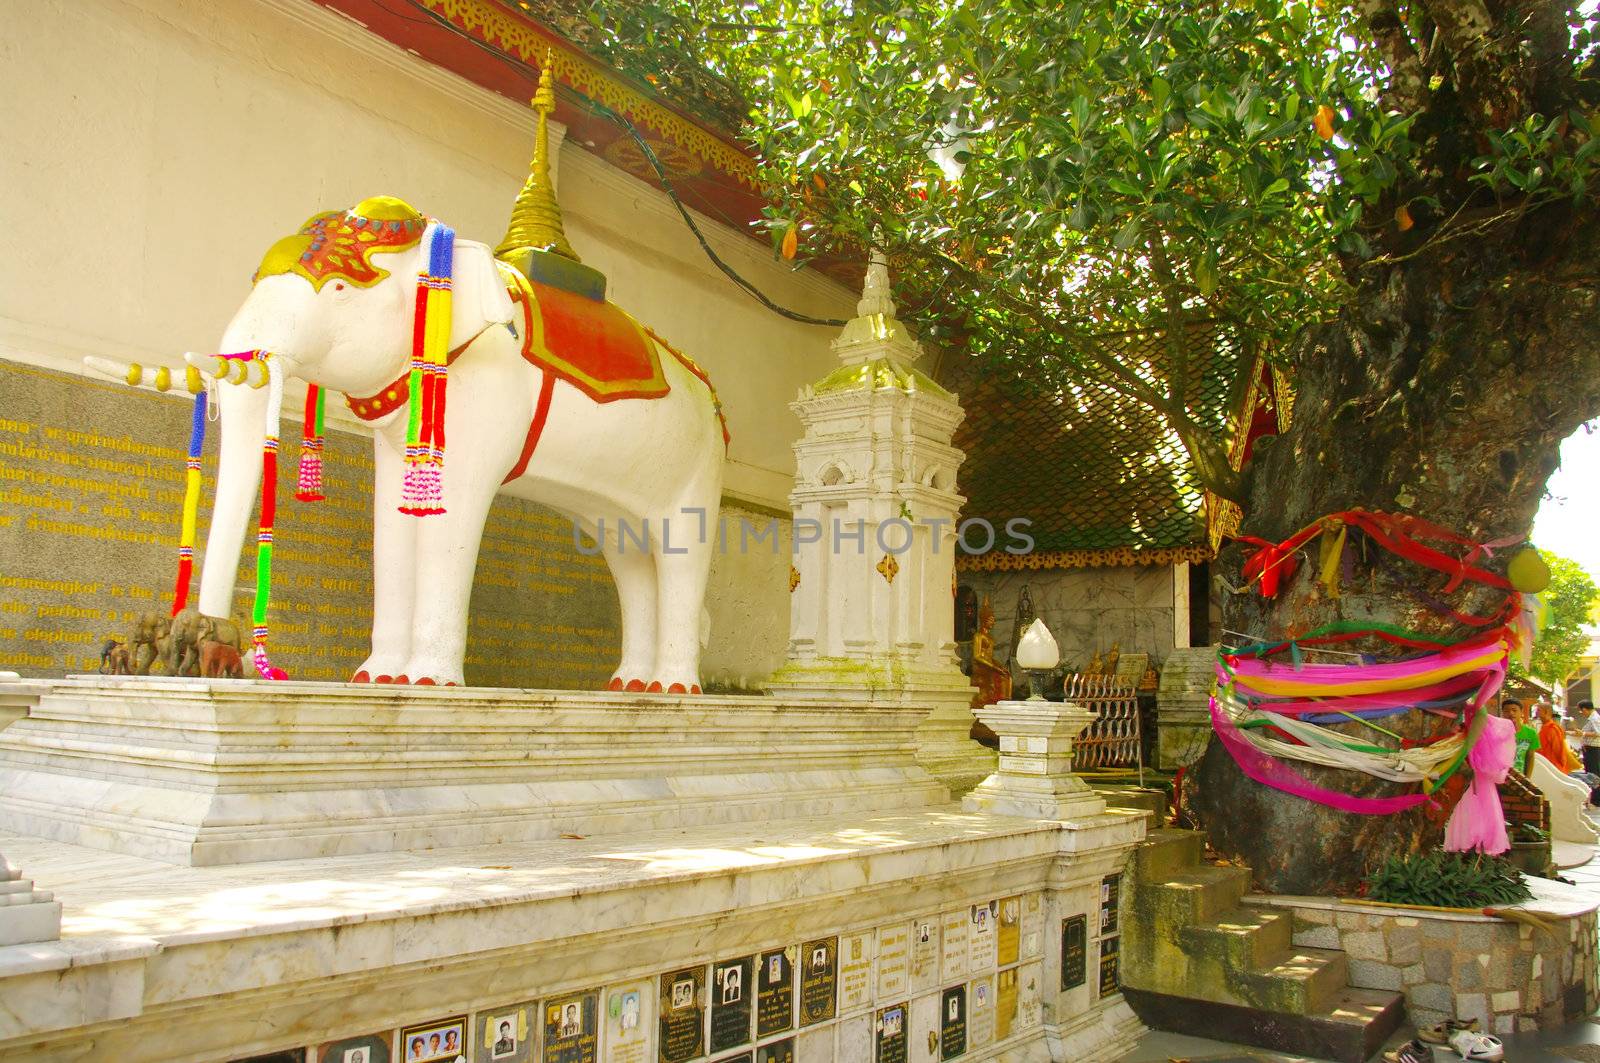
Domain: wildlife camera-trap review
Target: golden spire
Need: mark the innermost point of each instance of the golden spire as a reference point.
(536, 217)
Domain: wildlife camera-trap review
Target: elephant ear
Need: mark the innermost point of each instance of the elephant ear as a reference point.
(479, 298)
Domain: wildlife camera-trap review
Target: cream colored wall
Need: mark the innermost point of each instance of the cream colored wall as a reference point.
(156, 148)
(164, 144)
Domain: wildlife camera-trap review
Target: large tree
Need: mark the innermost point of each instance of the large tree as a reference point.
(1392, 199)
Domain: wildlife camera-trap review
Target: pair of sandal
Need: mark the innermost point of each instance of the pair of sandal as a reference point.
(1459, 1035)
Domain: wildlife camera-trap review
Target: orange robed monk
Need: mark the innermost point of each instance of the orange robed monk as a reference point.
(1553, 741)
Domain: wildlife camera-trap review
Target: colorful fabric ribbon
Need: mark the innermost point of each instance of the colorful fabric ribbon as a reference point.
(423, 491)
(191, 504)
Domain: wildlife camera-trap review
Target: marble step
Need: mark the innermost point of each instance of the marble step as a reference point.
(1168, 851)
(1350, 1029)
(1247, 938)
(1200, 894)
(1302, 983)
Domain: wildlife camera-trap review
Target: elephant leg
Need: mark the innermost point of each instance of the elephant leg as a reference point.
(634, 571)
(394, 553)
(681, 574)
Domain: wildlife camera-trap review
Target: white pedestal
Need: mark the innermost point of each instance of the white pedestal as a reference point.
(1035, 774)
(229, 771)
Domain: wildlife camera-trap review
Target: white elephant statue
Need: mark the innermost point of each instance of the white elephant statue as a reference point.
(335, 306)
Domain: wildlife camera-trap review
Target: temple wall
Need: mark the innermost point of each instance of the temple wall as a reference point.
(1140, 609)
(168, 144)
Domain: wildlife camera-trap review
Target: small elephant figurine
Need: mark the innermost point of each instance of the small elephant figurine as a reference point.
(144, 640)
(189, 630)
(115, 659)
(218, 660)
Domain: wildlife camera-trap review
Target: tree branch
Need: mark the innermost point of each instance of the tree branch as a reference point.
(1408, 82)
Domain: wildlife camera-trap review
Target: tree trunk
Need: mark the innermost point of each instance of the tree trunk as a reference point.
(1443, 391)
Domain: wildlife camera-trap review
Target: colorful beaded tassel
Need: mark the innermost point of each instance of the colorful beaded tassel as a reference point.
(191, 504)
(422, 494)
(309, 485)
(269, 506)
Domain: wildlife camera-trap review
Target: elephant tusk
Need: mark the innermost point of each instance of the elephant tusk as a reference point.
(156, 378)
(229, 370)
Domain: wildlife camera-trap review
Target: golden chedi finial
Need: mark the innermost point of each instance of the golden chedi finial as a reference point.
(536, 216)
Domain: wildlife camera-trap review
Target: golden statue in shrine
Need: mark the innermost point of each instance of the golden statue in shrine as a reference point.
(992, 680)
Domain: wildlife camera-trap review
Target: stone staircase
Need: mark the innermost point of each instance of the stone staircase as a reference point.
(1196, 959)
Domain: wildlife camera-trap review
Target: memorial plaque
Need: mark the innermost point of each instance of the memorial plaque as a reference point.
(1030, 997)
(819, 981)
(572, 1028)
(732, 1004)
(1008, 936)
(776, 1052)
(981, 938)
(506, 1035)
(1032, 925)
(1110, 890)
(368, 1048)
(953, 1022)
(922, 1038)
(1074, 951)
(1005, 1003)
(1110, 981)
(682, 1025)
(891, 1034)
(815, 1045)
(980, 1012)
(629, 1023)
(855, 1039)
(775, 993)
(292, 1055)
(894, 960)
(925, 953)
(855, 970)
(742, 1057)
(953, 944)
(440, 1041)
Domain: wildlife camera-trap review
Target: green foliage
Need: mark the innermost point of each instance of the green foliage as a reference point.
(1101, 168)
(1571, 596)
(1447, 880)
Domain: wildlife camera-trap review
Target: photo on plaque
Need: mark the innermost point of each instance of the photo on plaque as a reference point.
(774, 992)
(818, 980)
(682, 1015)
(571, 1028)
(1110, 898)
(980, 1012)
(626, 1026)
(505, 1035)
(892, 1035)
(440, 1041)
(731, 1003)
(953, 1022)
(776, 1052)
(368, 1048)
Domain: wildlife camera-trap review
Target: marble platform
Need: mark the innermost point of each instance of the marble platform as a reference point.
(899, 934)
(207, 772)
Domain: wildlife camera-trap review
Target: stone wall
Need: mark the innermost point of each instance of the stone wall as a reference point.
(1089, 610)
(1510, 977)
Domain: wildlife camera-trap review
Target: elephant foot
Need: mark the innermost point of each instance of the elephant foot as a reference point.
(402, 680)
(385, 679)
(635, 686)
(654, 687)
(361, 677)
(615, 684)
(684, 685)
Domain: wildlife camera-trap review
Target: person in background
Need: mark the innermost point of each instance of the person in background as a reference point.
(1527, 735)
(1589, 735)
(1553, 740)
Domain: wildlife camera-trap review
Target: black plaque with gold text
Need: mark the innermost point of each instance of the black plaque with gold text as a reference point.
(819, 977)
(893, 1034)
(1074, 951)
(774, 993)
(682, 1015)
(731, 1003)
(1110, 980)
(571, 1029)
(953, 1022)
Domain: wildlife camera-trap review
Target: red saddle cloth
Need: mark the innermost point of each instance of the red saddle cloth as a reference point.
(596, 347)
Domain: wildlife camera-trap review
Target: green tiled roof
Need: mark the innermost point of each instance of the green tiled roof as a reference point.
(1092, 469)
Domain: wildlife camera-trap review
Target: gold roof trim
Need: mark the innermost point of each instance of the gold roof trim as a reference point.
(999, 561)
